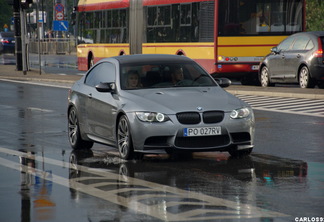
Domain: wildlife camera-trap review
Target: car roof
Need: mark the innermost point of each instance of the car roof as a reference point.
(138, 58)
(313, 33)
(317, 33)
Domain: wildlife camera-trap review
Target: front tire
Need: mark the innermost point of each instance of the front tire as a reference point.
(265, 77)
(124, 139)
(305, 80)
(75, 139)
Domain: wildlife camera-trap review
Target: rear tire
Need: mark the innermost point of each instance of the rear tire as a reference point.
(305, 80)
(75, 139)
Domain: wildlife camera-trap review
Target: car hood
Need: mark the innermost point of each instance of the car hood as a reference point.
(176, 100)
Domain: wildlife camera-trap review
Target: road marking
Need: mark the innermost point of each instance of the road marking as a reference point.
(29, 109)
(160, 201)
(57, 84)
(308, 107)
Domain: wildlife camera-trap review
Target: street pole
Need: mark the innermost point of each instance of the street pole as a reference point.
(18, 52)
(23, 40)
(39, 36)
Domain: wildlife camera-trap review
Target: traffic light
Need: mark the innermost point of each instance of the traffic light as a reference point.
(24, 4)
(73, 15)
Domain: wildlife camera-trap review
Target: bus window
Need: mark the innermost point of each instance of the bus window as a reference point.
(109, 26)
(159, 23)
(259, 17)
(186, 22)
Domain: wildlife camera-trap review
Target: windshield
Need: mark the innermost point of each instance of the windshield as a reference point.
(164, 76)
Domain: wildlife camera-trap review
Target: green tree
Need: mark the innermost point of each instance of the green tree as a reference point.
(314, 15)
(6, 13)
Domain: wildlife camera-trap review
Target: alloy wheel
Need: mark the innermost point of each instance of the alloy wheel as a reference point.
(75, 138)
(264, 77)
(124, 139)
(73, 127)
(305, 80)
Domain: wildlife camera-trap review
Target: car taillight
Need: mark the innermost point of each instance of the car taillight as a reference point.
(5, 41)
(319, 52)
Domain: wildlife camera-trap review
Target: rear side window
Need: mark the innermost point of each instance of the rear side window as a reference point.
(301, 43)
(310, 45)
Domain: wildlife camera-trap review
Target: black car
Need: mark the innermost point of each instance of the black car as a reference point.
(297, 59)
(7, 42)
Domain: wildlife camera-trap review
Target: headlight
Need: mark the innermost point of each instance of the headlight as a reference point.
(152, 117)
(240, 113)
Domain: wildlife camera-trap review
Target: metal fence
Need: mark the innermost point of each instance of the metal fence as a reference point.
(53, 46)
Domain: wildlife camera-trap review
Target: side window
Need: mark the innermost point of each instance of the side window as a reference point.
(285, 45)
(300, 43)
(310, 45)
(103, 72)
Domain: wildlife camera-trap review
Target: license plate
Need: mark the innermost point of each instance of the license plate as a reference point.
(255, 67)
(202, 131)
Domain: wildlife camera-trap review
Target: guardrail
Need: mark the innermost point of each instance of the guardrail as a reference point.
(53, 46)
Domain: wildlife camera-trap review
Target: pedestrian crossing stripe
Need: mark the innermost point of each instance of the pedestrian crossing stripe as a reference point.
(308, 107)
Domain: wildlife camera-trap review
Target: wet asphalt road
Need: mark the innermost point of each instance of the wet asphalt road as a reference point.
(42, 179)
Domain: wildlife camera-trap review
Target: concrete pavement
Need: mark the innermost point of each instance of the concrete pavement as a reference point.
(9, 72)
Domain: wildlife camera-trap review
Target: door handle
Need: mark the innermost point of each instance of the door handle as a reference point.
(90, 95)
(298, 56)
(283, 56)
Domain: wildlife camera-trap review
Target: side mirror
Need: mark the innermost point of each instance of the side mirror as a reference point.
(275, 50)
(106, 87)
(223, 82)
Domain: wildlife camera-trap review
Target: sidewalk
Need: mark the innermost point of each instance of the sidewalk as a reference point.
(9, 72)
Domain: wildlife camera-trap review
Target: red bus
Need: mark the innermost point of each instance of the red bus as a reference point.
(227, 37)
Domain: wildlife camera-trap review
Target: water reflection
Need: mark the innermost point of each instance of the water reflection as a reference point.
(273, 170)
(201, 181)
(36, 188)
(267, 168)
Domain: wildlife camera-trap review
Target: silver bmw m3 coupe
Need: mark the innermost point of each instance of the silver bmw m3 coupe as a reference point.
(156, 104)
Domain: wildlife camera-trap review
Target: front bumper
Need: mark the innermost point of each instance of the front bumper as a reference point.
(169, 135)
